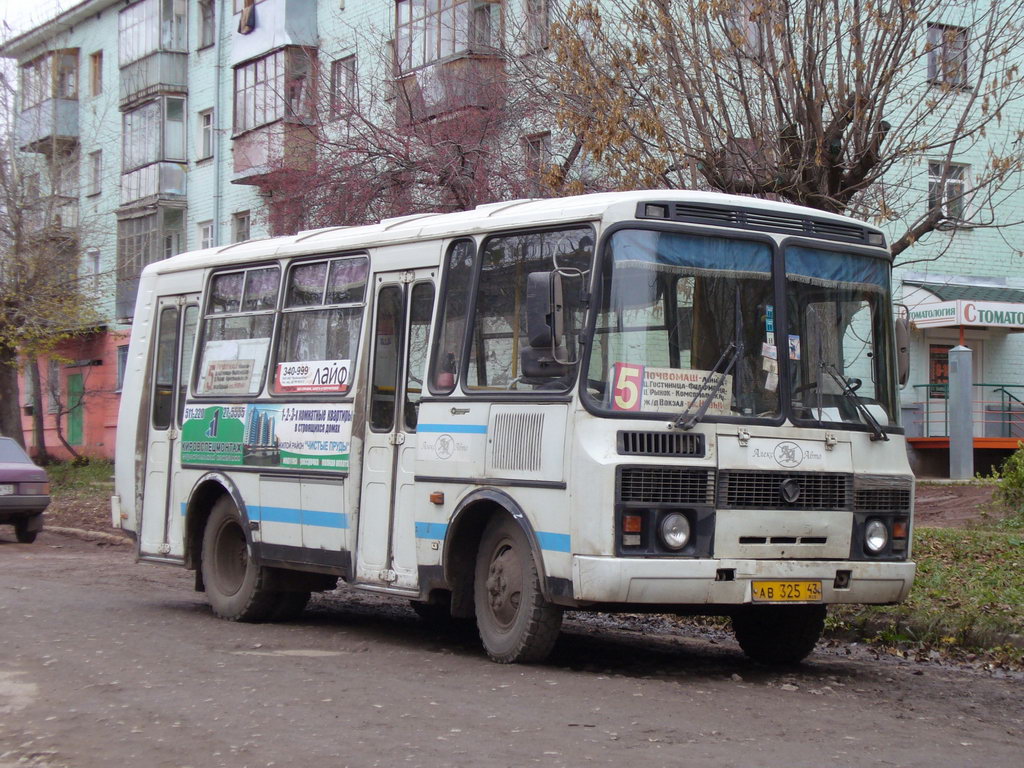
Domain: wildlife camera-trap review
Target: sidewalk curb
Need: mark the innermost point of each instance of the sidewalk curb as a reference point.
(81, 533)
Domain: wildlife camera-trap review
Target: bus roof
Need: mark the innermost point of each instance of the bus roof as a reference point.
(483, 218)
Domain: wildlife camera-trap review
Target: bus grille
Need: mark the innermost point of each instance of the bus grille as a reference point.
(882, 500)
(764, 490)
(518, 441)
(687, 444)
(666, 485)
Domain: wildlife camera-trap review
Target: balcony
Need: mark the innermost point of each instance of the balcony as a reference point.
(475, 81)
(51, 124)
(279, 23)
(155, 181)
(283, 146)
(159, 72)
(53, 218)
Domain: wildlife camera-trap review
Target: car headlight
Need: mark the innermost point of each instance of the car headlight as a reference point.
(674, 530)
(876, 536)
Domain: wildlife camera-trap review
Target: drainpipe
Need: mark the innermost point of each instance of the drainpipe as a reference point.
(221, 10)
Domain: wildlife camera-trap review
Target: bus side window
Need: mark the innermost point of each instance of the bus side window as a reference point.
(188, 342)
(164, 371)
(387, 347)
(416, 362)
(444, 367)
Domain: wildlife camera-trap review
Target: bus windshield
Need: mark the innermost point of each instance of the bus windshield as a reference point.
(840, 326)
(681, 327)
(687, 327)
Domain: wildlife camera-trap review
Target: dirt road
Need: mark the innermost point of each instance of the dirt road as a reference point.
(110, 663)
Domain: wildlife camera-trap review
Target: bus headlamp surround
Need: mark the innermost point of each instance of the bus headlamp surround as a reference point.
(674, 531)
(876, 536)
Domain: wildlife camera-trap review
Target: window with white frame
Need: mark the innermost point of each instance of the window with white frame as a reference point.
(149, 26)
(273, 87)
(240, 226)
(537, 157)
(207, 22)
(122, 364)
(204, 229)
(426, 32)
(95, 172)
(538, 24)
(205, 134)
(91, 269)
(343, 85)
(163, 118)
(947, 185)
(947, 55)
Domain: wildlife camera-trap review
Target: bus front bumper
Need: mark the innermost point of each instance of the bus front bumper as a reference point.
(728, 582)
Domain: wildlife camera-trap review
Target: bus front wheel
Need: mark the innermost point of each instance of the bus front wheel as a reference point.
(779, 634)
(235, 585)
(516, 623)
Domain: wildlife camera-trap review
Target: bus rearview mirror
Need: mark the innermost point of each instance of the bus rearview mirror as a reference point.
(545, 320)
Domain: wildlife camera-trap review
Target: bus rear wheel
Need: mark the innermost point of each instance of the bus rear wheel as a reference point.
(779, 634)
(235, 585)
(516, 623)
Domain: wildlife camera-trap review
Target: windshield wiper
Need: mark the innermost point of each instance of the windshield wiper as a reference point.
(729, 356)
(851, 395)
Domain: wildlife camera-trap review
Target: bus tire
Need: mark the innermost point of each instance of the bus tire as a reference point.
(516, 623)
(235, 585)
(779, 634)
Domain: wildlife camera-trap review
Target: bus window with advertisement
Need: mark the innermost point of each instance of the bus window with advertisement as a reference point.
(645, 401)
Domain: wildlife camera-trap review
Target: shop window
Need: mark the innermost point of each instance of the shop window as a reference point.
(938, 371)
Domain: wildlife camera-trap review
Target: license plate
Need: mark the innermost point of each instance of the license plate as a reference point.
(786, 591)
(6, 489)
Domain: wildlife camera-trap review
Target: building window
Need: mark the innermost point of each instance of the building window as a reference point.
(122, 364)
(206, 134)
(538, 24)
(95, 172)
(207, 25)
(429, 32)
(163, 118)
(240, 226)
(343, 86)
(537, 157)
(205, 232)
(53, 386)
(96, 73)
(149, 26)
(53, 75)
(273, 87)
(947, 55)
(92, 269)
(946, 188)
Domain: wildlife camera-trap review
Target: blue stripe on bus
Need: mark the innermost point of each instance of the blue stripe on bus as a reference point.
(431, 530)
(297, 516)
(553, 542)
(467, 429)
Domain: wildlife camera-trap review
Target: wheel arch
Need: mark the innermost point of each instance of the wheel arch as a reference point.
(201, 499)
(462, 540)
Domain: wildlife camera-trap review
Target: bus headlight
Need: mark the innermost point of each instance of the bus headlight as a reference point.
(674, 531)
(876, 536)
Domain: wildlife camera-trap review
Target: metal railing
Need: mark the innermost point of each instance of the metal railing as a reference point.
(997, 408)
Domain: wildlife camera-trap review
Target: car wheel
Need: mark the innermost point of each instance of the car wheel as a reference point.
(22, 533)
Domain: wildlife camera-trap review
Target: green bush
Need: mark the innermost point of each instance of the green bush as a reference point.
(1009, 493)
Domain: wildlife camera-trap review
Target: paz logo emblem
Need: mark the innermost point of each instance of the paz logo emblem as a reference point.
(788, 454)
(444, 446)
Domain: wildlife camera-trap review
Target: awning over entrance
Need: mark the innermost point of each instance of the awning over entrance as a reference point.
(935, 305)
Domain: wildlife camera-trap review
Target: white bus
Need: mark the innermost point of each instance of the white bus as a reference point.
(661, 401)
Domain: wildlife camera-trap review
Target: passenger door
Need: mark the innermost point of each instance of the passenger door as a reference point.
(171, 354)
(386, 549)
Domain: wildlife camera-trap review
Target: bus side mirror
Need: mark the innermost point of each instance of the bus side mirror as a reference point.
(545, 320)
(903, 349)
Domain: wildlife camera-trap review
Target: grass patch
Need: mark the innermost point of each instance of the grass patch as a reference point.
(65, 477)
(968, 595)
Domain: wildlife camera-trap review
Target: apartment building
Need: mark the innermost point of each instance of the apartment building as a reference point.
(173, 122)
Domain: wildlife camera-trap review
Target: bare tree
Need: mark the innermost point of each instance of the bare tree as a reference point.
(391, 140)
(861, 107)
(43, 301)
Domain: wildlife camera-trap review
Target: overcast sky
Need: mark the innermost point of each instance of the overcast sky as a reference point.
(19, 15)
